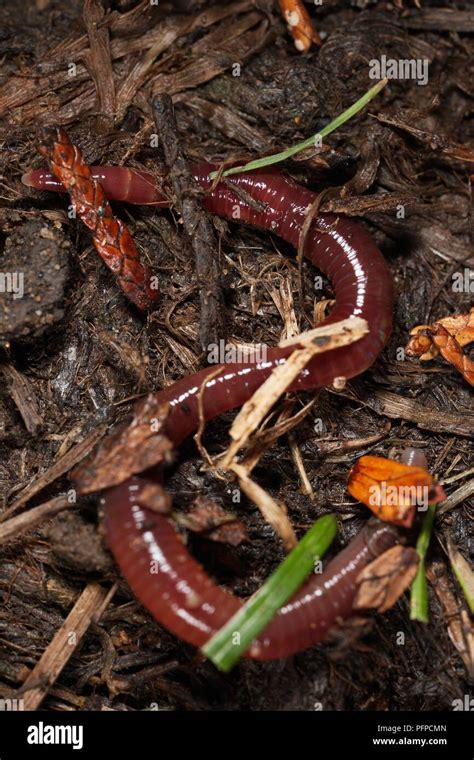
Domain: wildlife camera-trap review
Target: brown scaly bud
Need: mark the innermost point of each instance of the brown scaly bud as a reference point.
(111, 238)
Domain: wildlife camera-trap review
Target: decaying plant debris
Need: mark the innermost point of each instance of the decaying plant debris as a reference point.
(239, 89)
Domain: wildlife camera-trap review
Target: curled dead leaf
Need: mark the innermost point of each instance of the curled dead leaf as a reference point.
(130, 449)
(208, 517)
(386, 578)
(446, 336)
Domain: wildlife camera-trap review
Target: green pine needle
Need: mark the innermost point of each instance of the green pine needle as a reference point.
(311, 142)
(419, 606)
(235, 637)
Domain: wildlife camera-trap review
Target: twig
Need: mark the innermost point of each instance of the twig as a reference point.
(299, 464)
(57, 469)
(99, 60)
(197, 224)
(314, 342)
(457, 497)
(30, 519)
(61, 648)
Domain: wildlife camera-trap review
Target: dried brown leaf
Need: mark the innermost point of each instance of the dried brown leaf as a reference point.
(386, 578)
(206, 516)
(460, 627)
(130, 449)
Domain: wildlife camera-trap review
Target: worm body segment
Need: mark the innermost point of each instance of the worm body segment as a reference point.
(179, 593)
(337, 246)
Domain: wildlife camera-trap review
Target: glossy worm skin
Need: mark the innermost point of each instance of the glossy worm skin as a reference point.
(339, 247)
(178, 592)
(180, 595)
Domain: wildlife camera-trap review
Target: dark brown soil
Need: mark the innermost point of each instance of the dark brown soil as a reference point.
(75, 354)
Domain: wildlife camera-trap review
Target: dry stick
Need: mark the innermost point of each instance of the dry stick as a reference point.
(202, 418)
(299, 464)
(57, 469)
(99, 61)
(458, 476)
(457, 497)
(398, 407)
(310, 214)
(28, 520)
(197, 224)
(63, 645)
(270, 509)
(314, 342)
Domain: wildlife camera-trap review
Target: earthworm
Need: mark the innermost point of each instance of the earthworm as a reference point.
(414, 457)
(180, 595)
(118, 183)
(178, 592)
(338, 247)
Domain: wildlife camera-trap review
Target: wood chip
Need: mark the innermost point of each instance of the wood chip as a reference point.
(62, 647)
(99, 59)
(59, 468)
(426, 417)
(24, 397)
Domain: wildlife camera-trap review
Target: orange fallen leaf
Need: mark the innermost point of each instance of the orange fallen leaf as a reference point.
(392, 490)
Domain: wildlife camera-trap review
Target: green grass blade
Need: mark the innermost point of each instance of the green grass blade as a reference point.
(419, 607)
(464, 574)
(310, 142)
(234, 638)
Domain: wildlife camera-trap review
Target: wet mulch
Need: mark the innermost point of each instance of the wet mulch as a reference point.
(74, 354)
